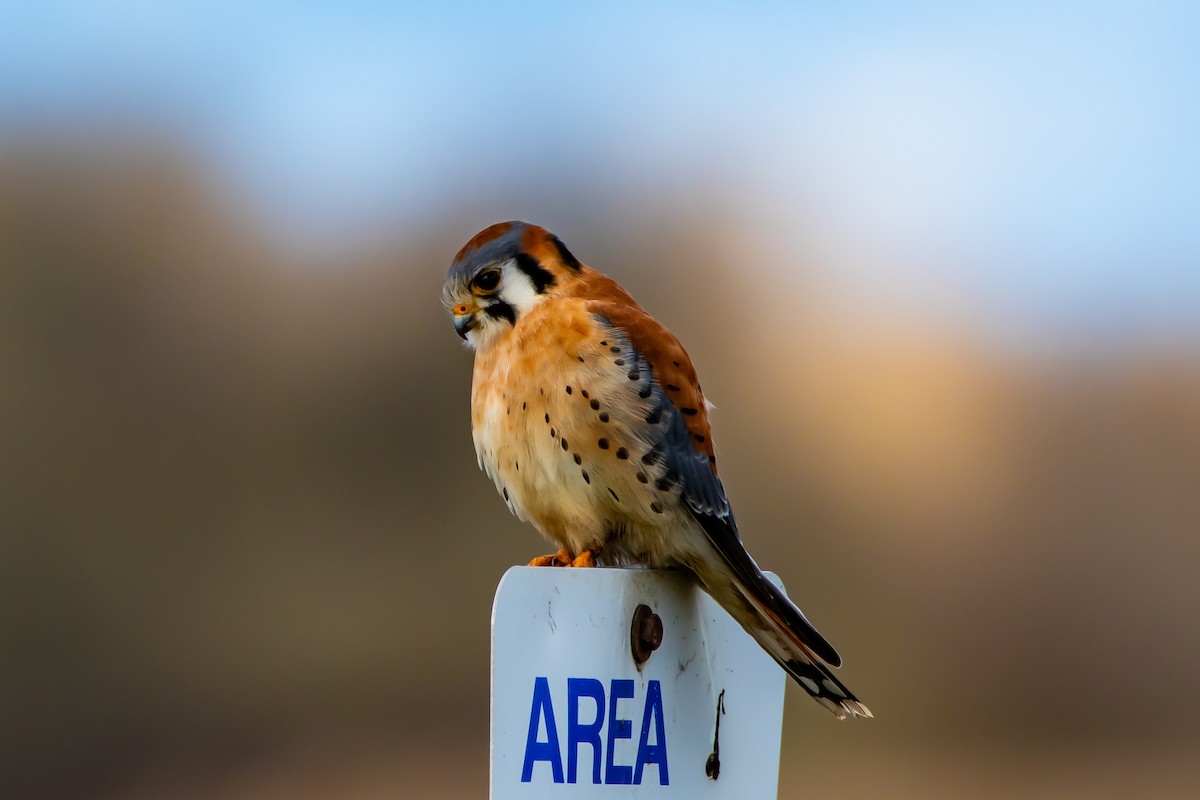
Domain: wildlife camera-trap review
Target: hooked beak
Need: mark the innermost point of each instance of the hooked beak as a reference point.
(464, 322)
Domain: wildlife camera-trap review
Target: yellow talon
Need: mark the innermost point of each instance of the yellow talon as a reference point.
(584, 559)
(563, 559)
(559, 559)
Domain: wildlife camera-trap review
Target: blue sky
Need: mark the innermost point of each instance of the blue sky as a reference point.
(1037, 155)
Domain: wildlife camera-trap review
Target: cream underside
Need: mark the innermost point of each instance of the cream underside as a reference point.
(520, 380)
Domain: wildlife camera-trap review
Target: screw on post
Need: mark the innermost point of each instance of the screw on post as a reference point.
(645, 633)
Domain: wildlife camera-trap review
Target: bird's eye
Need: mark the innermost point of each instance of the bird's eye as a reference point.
(488, 280)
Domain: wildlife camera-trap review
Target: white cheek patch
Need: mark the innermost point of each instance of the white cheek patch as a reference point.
(518, 290)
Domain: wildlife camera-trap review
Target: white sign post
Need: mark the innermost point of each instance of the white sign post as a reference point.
(574, 715)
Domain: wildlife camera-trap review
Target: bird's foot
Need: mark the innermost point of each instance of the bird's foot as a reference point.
(584, 559)
(563, 559)
(559, 559)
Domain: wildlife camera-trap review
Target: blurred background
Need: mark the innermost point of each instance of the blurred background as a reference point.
(938, 264)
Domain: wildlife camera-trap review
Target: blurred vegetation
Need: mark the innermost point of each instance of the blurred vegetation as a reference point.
(245, 550)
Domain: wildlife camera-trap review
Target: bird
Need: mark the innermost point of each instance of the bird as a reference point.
(588, 416)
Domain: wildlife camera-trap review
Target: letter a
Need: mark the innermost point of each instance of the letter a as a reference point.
(652, 753)
(536, 751)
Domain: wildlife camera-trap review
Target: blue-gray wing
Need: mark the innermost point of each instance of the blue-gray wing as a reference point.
(682, 451)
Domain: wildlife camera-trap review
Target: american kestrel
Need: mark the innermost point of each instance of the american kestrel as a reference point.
(588, 416)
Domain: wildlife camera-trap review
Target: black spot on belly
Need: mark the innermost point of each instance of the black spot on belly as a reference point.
(641, 476)
(620, 362)
(586, 478)
(614, 494)
(645, 391)
(603, 444)
(578, 460)
(569, 390)
(604, 416)
(547, 419)
(622, 453)
(583, 393)
(655, 415)
(564, 443)
(656, 507)
(505, 490)
(595, 404)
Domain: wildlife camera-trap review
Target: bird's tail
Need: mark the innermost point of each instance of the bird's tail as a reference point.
(767, 614)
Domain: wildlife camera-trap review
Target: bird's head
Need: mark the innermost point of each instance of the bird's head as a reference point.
(503, 273)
